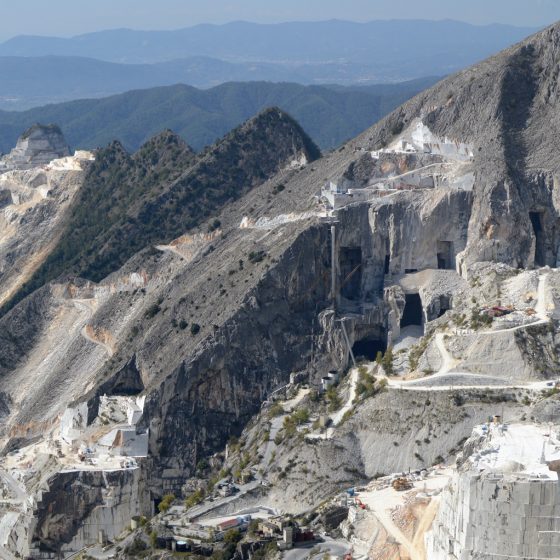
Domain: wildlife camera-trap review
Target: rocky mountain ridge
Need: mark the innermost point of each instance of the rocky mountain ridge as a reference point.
(163, 190)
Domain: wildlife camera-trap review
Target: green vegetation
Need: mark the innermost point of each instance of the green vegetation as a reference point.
(269, 550)
(368, 386)
(333, 399)
(276, 410)
(387, 361)
(233, 536)
(417, 351)
(194, 499)
(256, 256)
(330, 115)
(152, 311)
(294, 420)
(166, 502)
(136, 547)
(479, 319)
(153, 538)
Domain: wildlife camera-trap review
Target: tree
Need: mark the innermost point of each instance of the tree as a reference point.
(333, 399)
(387, 361)
(233, 536)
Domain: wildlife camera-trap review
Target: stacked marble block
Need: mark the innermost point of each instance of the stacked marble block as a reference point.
(491, 517)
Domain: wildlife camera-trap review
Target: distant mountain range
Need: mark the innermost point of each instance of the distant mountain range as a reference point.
(329, 114)
(38, 70)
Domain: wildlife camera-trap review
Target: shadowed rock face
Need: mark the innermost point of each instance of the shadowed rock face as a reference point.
(38, 146)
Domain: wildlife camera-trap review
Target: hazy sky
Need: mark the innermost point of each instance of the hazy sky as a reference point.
(71, 17)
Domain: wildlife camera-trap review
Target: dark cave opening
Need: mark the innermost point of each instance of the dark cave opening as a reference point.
(444, 305)
(413, 313)
(368, 348)
(445, 255)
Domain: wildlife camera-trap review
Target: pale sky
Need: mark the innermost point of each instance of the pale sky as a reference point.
(72, 17)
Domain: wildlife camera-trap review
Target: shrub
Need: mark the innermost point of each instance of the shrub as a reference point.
(214, 225)
(153, 538)
(135, 547)
(194, 499)
(152, 311)
(333, 399)
(233, 536)
(301, 416)
(256, 256)
(166, 502)
(195, 329)
(276, 410)
(387, 361)
(397, 128)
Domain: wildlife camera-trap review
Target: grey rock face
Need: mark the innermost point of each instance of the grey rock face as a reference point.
(38, 146)
(507, 108)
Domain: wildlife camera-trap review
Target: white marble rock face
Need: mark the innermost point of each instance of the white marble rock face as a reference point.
(37, 146)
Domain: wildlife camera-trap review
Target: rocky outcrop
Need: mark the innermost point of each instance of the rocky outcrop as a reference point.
(130, 202)
(37, 146)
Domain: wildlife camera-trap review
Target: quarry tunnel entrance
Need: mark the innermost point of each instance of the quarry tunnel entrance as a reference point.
(445, 257)
(413, 313)
(537, 223)
(368, 348)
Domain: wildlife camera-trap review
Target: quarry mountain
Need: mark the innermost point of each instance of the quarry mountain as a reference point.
(238, 352)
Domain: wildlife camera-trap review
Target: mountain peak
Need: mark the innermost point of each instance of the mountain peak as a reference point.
(165, 148)
(507, 108)
(275, 127)
(38, 145)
